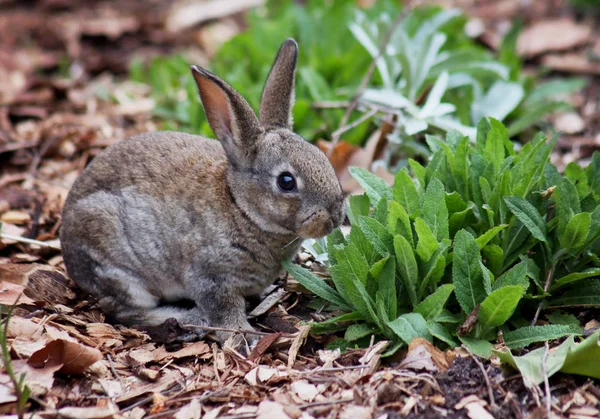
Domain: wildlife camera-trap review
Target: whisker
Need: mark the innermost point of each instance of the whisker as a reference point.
(293, 240)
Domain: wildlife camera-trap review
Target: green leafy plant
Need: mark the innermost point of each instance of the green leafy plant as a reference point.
(434, 82)
(482, 232)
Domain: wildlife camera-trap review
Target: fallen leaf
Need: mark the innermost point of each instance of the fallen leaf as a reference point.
(39, 380)
(16, 217)
(88, 412)
(12, 294)
(192, 410)
(572, 63)
(195, 349)
(263, 374)
(353, 411)
(271, 410)
(474, 407)
(304, 390)
(552, 35)
(569, 123)
(422, 354)
(7, 394)
(73, 356)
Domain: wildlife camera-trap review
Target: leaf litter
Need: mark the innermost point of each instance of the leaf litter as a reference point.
(79, 366)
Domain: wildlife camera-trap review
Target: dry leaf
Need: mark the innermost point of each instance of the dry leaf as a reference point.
(192, 410)
(569, 123)
(422, 354)
(195, 349)
(353, 411)
(263, 374)
(74, 357)
(11, 294)
(39, 380)
(271, 410)
(304, 390)
(7, 394)
(88, 412)
(16, 217)
(552, 35)
(572, 63)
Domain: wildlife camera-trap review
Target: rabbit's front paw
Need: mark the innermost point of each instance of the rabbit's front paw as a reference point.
(243, 343)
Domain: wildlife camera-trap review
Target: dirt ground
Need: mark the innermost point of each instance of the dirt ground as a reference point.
(55, 56)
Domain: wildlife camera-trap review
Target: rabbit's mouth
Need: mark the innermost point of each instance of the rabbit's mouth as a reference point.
(317, 225)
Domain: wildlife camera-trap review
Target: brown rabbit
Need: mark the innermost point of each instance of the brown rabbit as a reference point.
(166, 216)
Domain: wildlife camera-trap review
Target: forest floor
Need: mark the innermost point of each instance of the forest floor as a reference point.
(64, 96)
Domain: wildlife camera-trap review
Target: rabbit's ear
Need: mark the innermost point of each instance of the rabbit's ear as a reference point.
(229, 115)
(278, 95)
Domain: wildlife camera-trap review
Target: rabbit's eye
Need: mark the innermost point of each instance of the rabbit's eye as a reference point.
(286, 182)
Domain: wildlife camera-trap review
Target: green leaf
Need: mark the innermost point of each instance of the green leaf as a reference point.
(562, 318)
(441, 332)
(517, 275)
(586, 294)
(582, 358)
(352, 262)
(433, 305)
(528, 215)
(481, 348)
(467, 275)
(377, 235)
(576, 231)
(375, 187)
(525, 336)
(569, 358)
(314, 284)
(435, 212)
(489, 235)
(410, 326)
(427, 244)
(531, 366)
(494, 144)
(357, 331)
(575, 276)
(399, 222)
(497, 308)
(419, 172)
(593, 174)
(405, 192)
(387, 286)
(407, 267)
(359, 205)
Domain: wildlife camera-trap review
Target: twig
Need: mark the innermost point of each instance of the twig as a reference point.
(485, 377)
(327, 403)
(546, 285)
(334, 369)
(114, 371)
(28, 241)
(546, 382)
(363, 84)
(341, 130)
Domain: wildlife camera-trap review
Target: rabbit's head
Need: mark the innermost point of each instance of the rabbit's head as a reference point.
(280, 181)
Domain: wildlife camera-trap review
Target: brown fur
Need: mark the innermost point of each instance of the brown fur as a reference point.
(167, 216)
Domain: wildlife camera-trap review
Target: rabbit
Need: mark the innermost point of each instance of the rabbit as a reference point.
(168, 216)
